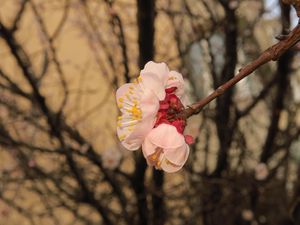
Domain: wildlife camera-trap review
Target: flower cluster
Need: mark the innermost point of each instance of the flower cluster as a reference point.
(149, 107)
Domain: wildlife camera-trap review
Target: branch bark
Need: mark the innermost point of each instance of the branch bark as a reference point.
(272, 53)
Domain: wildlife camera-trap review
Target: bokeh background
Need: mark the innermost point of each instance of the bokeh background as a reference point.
(61, 62)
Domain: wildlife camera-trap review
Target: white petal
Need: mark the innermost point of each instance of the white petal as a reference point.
(127, 96)
(169, 167)
(122, 91)
(148, 147)
(177, 156)
(166, 136)
(175, 79)
(133, 129)
(149, 104)
(134, 139)
(150, 81)
(160, 70)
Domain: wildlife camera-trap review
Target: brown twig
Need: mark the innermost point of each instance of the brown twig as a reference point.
(272, 53)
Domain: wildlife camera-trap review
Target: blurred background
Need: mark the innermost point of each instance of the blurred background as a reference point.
(61, 62)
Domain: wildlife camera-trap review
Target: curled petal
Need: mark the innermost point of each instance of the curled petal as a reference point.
(160, 70)
(165, 148)
(155, 158)
(165, 136)
(177, 156)
(148, 147)
(169, 167)
(175, 79)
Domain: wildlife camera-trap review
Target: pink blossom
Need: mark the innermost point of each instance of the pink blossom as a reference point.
(165, 148)
(149, 107)
(139, 107)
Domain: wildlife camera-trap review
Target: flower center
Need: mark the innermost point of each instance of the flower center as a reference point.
(168, 109)
(135, 112)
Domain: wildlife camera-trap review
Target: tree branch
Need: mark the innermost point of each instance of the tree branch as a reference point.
(272, 53)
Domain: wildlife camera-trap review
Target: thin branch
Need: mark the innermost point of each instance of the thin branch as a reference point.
(57, 64)
(18, 17)
(272, 53)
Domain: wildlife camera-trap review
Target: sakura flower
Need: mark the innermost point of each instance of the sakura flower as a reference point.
(165, 148)
(149, 107)
(111, 159)
(139, 102)
(261, 171)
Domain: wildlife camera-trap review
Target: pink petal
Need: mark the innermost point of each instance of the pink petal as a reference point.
(154, 158)
(121, 95)
(166, 136)
(175, 79)
(122, 91)
(135, 138)
(148, 147)
(160, 70)
(123, 136)
(149, 104)
(152, 82)
(177, 156)
(169, 167)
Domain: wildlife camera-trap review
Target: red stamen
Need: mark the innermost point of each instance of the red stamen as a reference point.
(168, 108)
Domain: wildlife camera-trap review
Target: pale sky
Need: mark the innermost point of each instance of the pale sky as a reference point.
(273, 10)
